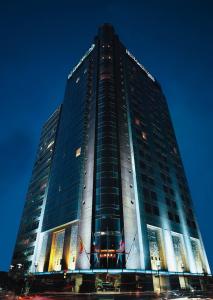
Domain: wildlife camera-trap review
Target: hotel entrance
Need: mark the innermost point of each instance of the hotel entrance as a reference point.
(108, 282)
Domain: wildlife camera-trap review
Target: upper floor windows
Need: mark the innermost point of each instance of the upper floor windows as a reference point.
(151, 209)
(163, 167)
(166, 178)
(147, 179)
(149, 195)
(168, 190)
(146, 167)
(173, 217)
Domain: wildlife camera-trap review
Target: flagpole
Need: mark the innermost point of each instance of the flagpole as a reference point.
(85, 249)
(131, 247)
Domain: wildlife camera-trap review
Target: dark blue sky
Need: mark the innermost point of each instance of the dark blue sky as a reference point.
(42, 40)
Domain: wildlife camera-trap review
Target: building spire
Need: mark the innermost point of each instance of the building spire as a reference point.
(106, 30)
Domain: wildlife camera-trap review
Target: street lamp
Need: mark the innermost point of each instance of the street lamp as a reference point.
(158, 269)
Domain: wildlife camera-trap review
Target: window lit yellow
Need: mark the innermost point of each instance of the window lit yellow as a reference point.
(78, 152)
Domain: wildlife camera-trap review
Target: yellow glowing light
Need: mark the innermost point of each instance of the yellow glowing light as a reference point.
(56, 252)
(78, 152)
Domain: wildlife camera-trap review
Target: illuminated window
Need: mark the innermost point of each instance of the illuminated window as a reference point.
(198, 255)
(137, 121)
(78, 152)
(179, 251)
(156, 248)
(144, 135)
(50, 144)
(56, 253)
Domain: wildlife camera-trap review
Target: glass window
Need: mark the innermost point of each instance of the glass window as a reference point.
(144, 135)
(78, 152)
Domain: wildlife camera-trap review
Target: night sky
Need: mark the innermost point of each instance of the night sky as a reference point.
(40, 43)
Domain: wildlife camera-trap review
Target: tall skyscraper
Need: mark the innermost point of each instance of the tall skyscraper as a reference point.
(108, 191)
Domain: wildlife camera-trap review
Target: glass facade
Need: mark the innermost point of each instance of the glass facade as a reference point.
(32, 217)
(116, 193)
(107, 218)
(64, 186)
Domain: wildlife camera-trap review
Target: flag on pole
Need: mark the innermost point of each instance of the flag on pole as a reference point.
(120, 250)
(121, 247)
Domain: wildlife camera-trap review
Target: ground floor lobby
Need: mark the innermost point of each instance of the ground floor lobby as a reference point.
(118, 282)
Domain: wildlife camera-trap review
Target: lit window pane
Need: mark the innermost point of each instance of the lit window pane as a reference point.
(78, 152)
(144, 135)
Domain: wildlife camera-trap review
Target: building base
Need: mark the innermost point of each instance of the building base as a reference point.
(84, 282)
